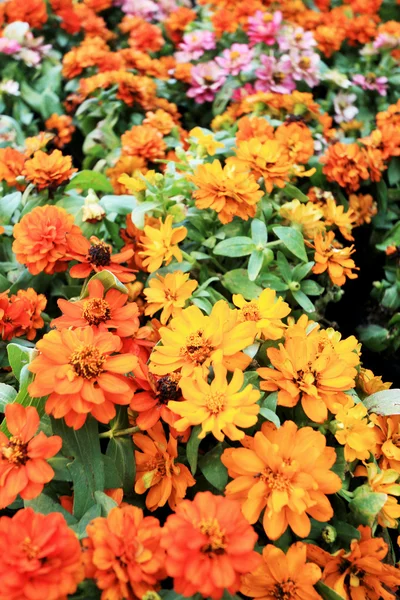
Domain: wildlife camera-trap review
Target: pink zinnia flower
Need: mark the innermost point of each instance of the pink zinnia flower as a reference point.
(236, 59)
(344, 107)
(207, 79)
(372, 83)
(263, 27)
(274, 76)
(295, 38)
(241, 93)
(304, 66)
(386, 42)
(195, 43)
(9, 46)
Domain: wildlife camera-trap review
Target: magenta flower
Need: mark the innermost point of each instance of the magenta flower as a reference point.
(372, 82)
(195, 43)
(207, 79)
(241, 93)
(304, 66)
(263, 27)
(9, 46)
(295, 38)
(235, 59)
(274, 76)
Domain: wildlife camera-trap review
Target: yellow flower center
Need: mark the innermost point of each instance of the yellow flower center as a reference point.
(87, 362)
(99, 254)
(267, 18)
(215, 402)
(197, 348)
(250, 312)
(216, 536)
(305, 62)
(96, 311)
(235, 54)
(275, 481)
(29, 549)
(278, 77)
(170, 295)
(14, 451)
(286, 590)
(157, 466)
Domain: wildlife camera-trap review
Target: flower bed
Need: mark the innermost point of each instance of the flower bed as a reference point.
(199, 299)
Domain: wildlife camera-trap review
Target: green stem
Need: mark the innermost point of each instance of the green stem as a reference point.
(112, 434)
(275, 243)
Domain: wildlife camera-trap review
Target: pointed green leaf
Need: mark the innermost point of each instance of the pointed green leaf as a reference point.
(293, 241)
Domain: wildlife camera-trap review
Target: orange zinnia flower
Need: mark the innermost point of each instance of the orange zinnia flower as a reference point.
(160, 120)
(177, 21)
(346, 164)
(364, 207)
(169, 293)
(106, 311)
(156, 469)
(219, 407)
(228, 191)
(160, 244)
(269, 160)
(144, 141)
(23, 466)
(95, 255)
(267, 312)
(281, 575)
(11, 166)
(41, 239)
(151, 401)
(355, 431)
(307, 217)
(194, 339)
(388, 447)
(332, 257)
(369, 383)
(209, 546)
(335, 215)
(14, 316)
(360, 573)
(33, 12)
(298, 140)
(40, 557)
(287, 472)
(63, 128)
(123, 553)
(34, 306)
(254, 127)
(80, 375)
(308, 368)
(48, 170)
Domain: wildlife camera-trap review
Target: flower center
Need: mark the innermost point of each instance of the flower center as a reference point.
(14, 451)
(235, 54)
(304, 62)
(96, 311)
(286, 590)
(275, 481)
(168, 388)
(29, 549)
(278, 77)
(87, 362)
(250, 312)
(267, 18)
(99, 254)
(197, 348)
(215, 402)
(170, 295)
(216, 536)
(156, 467)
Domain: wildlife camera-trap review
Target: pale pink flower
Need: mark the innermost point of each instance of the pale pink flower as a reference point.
(274, 76)
(236, 59)
(9, 46)
(207, 79)
(263, 27)
(372, 83)
(304, 66)
(195, 43)
(345, 110)
(295, 38)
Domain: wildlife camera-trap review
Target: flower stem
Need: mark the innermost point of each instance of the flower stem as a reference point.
(119, 433)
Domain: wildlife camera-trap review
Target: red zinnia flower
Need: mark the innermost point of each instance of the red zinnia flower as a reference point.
(95, 255)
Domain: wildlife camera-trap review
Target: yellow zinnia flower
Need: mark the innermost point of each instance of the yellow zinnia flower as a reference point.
(267, 312)
(205, 141)
(168, 293)
(193, 339)
(306, 216)
(219, 407)
(383, 482)
(355, 432)
(161, 245)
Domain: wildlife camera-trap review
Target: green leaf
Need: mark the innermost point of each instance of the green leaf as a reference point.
(293, 192)
(192, 448)
(284, 267)
(269, 415)
(326, 592)
(85, 180)
(7, 395)
(121, 451)
(393, 171)
(60, 466)
(87, 468)
(121, 205)
(50, 104)
(212, 468)
(311, 288)
(386, 402)
(273, 282)
(108, 279)
(340, 465)
(139, 212)
(375, 337)
(391, 298)
(301, 271)
(366, 505)
(259, 233)
(382, 193)
(112, 478)
(255, 263)
(18, 357)
(346, 532)
(105, 502)
(293, 241)
(303, 301)
(237, 282)
(235, 247)
(92, 513)
(8, 206)
(46, 505)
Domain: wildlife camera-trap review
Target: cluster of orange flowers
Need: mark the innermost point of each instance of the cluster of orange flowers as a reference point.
(20, 314)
